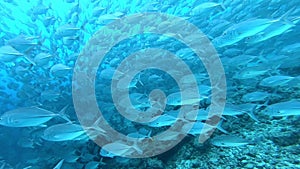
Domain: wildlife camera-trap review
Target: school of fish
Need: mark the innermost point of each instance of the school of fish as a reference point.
(257, 42)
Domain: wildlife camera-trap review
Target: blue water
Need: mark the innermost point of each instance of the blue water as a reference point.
(254, 40)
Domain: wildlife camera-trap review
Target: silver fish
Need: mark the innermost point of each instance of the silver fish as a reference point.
(60, 70)
(92, 165)
(22, 43)
(8, 53)
(206, 5)
(175, 99)
(198, 128)
(229, 141)
(255, 96)
(122, 149)
(50, 96)
(29, 116)
(42, 59)
(105, 153)
(162, 121)
(66, 30)
(107, 18)
(270, 32)
(242, 30)
(251, 72)
(291, 48)
(235, 110)
(64, 132)
(288, 108)
(274, 81)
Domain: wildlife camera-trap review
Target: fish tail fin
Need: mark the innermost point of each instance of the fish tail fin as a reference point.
(62, 114)
(276, 68)
(41, 40)
(222, 5)
(285, 15)
(30, 60)
(149, 134)
(251, 114)
(50, 6)
(219, 127)
(264, 105)
(137, 148)
(261, 57)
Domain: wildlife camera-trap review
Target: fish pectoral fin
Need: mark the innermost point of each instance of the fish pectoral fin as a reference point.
(43, 125)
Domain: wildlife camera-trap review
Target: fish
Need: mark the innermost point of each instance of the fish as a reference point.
(66, 30)
(277, 80)
(42, 59)
(206, 5)
(239, 31)
(92, 165)
(26, 143)
(257, 42)
(69, 40)
(59, 164)
(162, 121)
(8, 53)
(276, 29)
(270, 32)
(292, 48)
(71, 158)
(257, 96)
(198, 128)
(48, 20)
(202, 114)
(60, 70)
(248, 28)
(242, 60)
(229, 141)
(29, 117)
(174, 99)
(97, 11)
(120, 149)
(290, 62)
(282, 109)
(107, 18)
(22, 43)
(235, 110)
(28, 167)
(40, 9)
(50, 96)
(105, 153)
(139, 134)
(232, 52)
(109, 74)
(138, 101)
(64, 132)
(251, 72)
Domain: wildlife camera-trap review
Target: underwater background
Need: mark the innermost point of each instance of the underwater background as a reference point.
(257, 42)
